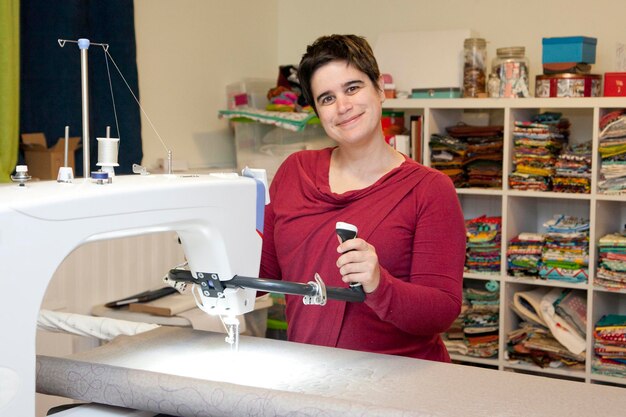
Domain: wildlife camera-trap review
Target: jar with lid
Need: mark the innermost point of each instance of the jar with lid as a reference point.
(474, 67)
(511, 67)
(493, 86)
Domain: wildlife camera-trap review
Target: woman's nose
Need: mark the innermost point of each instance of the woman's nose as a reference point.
(344, 103)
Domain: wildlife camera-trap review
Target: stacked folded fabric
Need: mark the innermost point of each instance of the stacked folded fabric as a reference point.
(454, 338)
(612, 148)
(524, 254)
(610, 346)
(481, 319)
(537, 144)
(534, 344)
(611, 271)
(483, 245)
(566, 249)
(573, 169)
(447, 155)
(483, 164)
(470, 155)
(552, 332)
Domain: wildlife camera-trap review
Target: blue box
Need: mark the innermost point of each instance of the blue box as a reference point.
(569, 49)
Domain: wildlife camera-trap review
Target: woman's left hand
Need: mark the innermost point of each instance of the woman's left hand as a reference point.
(359, 264)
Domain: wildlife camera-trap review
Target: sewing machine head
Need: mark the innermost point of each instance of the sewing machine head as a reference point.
(217, 218)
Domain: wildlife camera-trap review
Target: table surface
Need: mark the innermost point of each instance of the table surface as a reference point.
(179, 370)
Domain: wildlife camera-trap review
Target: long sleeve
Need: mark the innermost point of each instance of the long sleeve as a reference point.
(269, 263)
(431, 299)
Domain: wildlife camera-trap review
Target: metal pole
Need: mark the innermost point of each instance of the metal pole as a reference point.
(83, 44)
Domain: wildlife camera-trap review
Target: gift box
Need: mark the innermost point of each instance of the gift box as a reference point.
(569, 49)
(615, 84)
(568, 85)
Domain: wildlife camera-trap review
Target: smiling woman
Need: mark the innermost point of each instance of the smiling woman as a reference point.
(409, 253)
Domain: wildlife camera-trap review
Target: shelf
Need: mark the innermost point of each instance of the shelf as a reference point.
(470, 359)
(608, 379)
(548, 194)
(546, 283)
(479, 191)
(527, 211)
(547, 371)
(499, 103)
(485, 277)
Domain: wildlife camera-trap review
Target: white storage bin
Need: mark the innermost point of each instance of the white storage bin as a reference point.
(250, 92)
(266, 146)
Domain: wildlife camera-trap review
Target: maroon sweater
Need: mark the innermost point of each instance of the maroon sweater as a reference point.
(411, 216)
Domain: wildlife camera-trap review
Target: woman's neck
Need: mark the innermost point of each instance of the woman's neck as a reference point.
(357, 168)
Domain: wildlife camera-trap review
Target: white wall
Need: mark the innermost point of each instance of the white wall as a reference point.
(189, 50)
(501, 22)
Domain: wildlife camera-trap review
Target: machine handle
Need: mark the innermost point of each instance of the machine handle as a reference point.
(347, 231)
(274, 286)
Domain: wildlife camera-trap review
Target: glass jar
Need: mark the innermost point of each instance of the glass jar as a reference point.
(511, 67)
(474, 67)
(493, 86)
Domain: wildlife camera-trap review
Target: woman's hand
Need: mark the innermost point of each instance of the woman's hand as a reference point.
(359, 264)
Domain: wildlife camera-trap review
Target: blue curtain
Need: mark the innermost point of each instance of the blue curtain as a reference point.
(50, 89)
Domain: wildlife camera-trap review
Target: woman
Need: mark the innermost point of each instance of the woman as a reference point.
(410, 249)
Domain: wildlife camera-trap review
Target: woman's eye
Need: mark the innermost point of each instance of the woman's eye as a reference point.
(327, 100)
(352, 89)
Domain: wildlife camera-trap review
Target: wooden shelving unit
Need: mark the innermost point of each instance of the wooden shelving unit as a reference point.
(524, 211)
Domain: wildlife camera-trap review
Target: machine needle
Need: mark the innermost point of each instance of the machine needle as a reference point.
(232, 332)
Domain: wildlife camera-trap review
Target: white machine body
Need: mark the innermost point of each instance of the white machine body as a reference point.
(41, 223)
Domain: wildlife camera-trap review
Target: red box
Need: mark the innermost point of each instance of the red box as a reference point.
(614, 84)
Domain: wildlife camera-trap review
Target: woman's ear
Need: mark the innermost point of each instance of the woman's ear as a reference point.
(381, 88)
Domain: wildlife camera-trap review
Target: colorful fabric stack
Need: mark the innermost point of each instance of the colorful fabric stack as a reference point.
(447, 155)
(483, 163)
(537, 144)
(524, 254)
(611, 271)
(553, 327)
(481, 319)
(470, 155)
(573, 169)
(535, 344)
(483, 245)
(609, 345)
(612, 148)
(566, 249)
(454, 338)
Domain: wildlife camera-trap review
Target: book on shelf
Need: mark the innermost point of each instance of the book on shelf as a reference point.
(416, 137)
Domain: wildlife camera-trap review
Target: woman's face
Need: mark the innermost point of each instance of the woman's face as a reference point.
(348, 104)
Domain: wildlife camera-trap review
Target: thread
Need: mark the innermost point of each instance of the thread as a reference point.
(107, 154)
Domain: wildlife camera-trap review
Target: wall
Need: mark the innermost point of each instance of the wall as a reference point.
(501, 22)
(182, 83)
(188, 51)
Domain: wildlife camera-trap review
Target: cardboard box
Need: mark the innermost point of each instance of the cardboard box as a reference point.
(569, 49)
(44, 162)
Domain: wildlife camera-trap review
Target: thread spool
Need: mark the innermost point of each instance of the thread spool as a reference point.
(107, 154)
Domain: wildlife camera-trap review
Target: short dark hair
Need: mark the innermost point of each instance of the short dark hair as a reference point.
(353, 49)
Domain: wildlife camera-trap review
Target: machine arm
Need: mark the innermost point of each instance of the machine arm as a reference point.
(314, 292)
